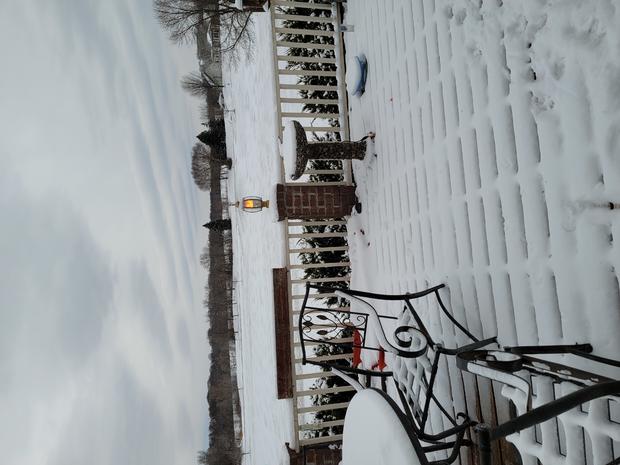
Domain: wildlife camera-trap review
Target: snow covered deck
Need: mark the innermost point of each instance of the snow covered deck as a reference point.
(498, 131)
(497, 152)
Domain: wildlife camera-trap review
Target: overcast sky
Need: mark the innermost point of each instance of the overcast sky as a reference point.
(103, 352)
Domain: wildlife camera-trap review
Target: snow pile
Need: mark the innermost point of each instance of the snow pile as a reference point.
(288, 148)
(373, 433)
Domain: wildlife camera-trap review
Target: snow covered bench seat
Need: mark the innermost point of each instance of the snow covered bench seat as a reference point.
(566, 415)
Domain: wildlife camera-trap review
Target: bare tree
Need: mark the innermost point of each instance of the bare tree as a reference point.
(201, 171)
(198, 85)
(237, 35)
(203, 457)
(181, 18)
(203, 158)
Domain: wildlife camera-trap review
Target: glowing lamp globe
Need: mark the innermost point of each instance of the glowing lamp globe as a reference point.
(253, 204)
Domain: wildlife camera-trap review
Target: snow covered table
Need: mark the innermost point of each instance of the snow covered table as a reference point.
(375, 433)
(297, 150)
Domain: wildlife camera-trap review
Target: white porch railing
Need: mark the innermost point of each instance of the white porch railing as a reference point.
(290, 105)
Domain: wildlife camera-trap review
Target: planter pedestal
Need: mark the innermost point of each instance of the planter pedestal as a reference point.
(323, 150)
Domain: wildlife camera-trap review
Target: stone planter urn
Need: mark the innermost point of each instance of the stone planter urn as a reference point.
(298, 151)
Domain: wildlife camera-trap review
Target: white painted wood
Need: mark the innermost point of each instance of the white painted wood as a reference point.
(327, 358)
(294, 4)
(324, 172)
(306, 72)
(305, 32)
(315, 375)
(287, 104)
(319, 265)
(316, 223)
(298, 59)
(334, 390)
(304, 114)
(286, 44)
(320, 425)
(335, 341)
(327, 234)
(321, 408)
(337, 279)
(339, 248)
(317, 101)
(308, 87)
(308, 19)
(320, 440)
(314, 296)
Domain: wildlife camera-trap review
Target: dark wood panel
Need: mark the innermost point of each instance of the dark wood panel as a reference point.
(284, 367)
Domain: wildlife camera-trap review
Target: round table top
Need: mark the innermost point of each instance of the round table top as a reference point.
(374, 433)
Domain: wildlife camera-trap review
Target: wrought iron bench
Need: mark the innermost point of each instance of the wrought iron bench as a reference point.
(549, 398)
(348, 331)
(530, 383)
(538, 415)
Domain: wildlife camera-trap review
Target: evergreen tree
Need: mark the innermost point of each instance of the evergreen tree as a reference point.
(218, 225)
(334, 397)
(214, 135)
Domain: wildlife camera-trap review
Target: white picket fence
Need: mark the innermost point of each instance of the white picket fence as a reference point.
(290, 106)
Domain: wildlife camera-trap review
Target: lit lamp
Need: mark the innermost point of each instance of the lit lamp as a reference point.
(252, 204)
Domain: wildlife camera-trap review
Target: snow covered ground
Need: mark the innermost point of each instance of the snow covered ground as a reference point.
(258, 247)
(498, 126)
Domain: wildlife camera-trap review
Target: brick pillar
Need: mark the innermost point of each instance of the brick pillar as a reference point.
(323, 456)
(314, 455)
(314, 202)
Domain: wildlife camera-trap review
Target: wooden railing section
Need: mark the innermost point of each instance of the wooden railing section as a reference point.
(307, 377)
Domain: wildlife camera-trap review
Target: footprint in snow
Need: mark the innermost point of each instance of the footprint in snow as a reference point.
(541, 103)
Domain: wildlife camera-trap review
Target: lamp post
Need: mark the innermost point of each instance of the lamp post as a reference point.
(251, 204)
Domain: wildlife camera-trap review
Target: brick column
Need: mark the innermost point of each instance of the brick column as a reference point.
(317, 455)
(314, 202)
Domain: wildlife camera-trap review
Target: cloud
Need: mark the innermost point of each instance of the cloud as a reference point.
(103, 355)
(56, 291)
(122, 425)
(145, 299)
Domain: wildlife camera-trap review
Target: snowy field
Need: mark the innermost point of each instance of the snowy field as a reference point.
(498, 127)
(258, 247)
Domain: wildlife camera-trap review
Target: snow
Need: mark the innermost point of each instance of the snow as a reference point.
(373, 434)
(497, 151)
(498, 127)
(288, 149)
(258, 247)
(473, 176)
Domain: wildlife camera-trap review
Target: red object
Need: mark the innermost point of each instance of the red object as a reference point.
(357, 353)
(357, 350)
(381, 362)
